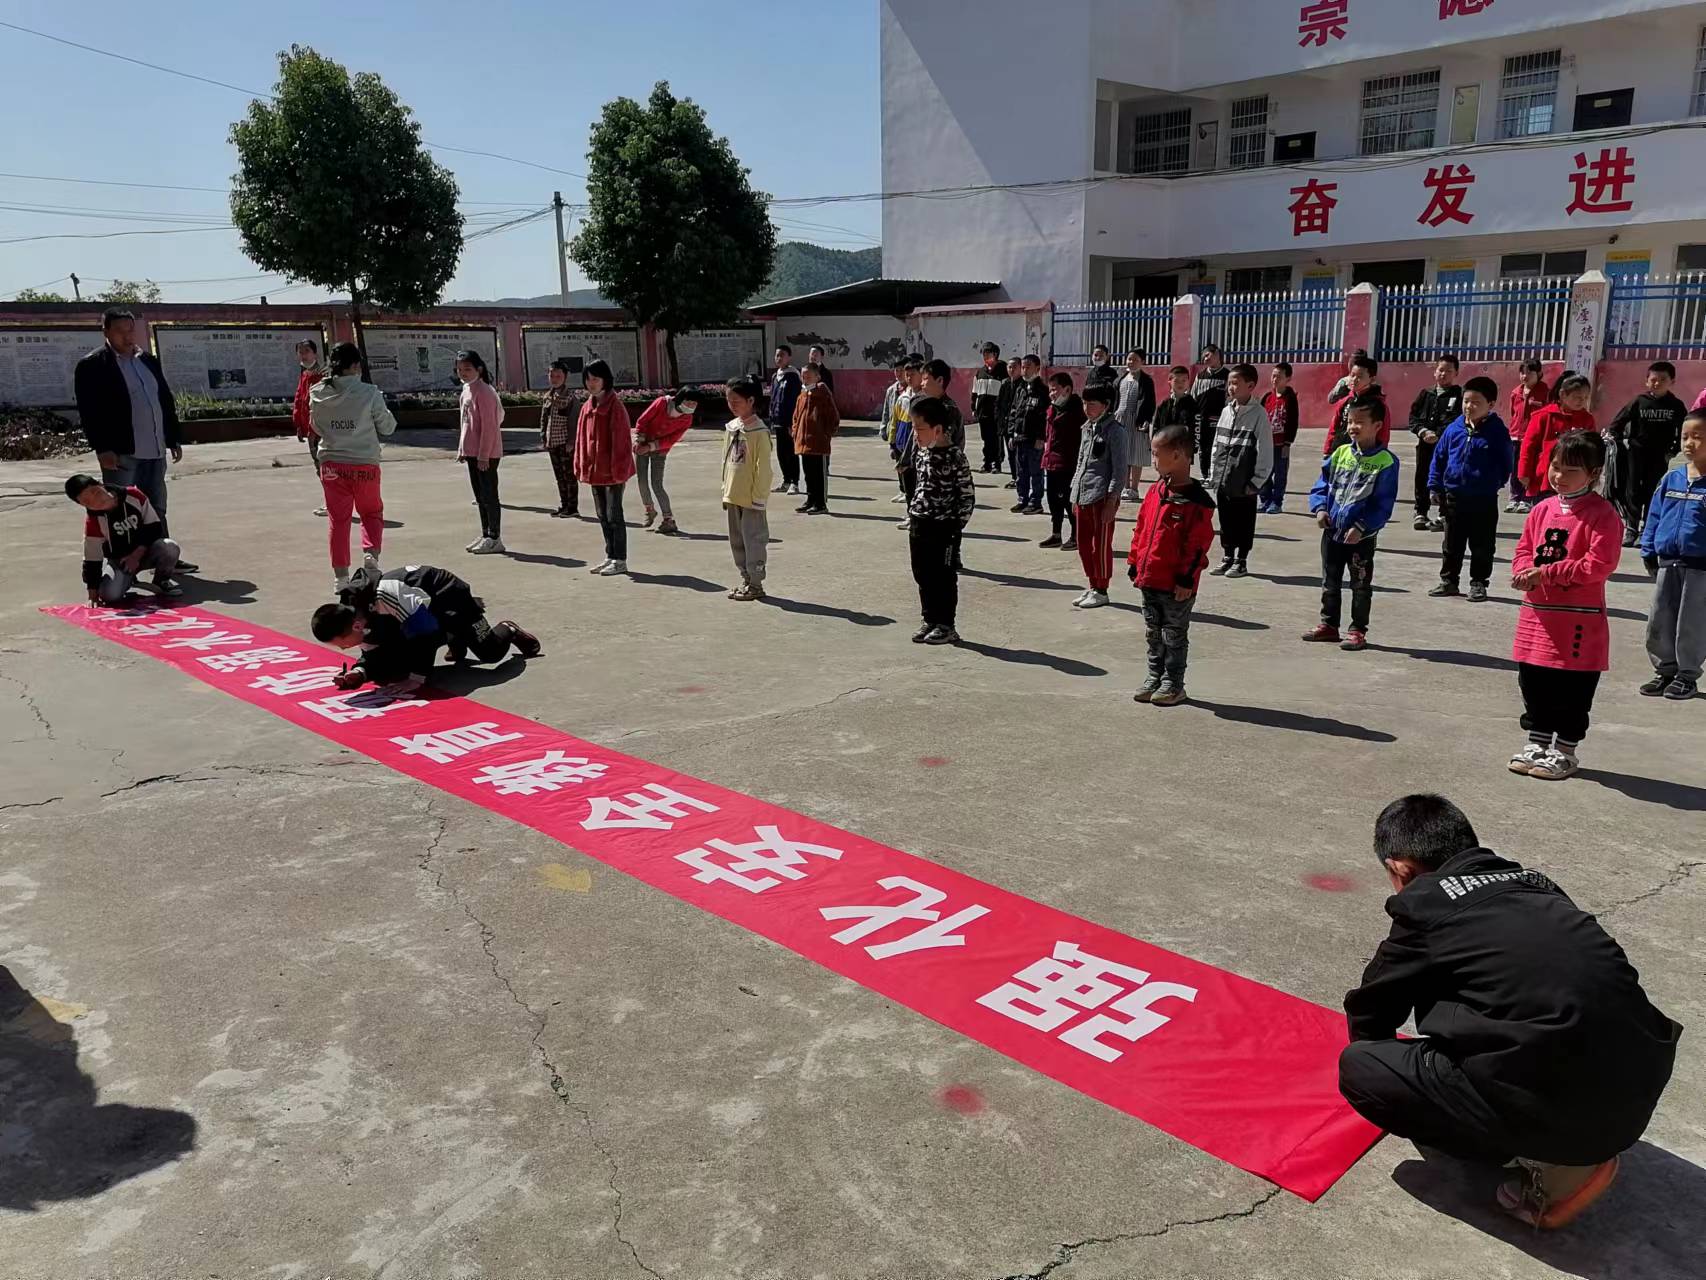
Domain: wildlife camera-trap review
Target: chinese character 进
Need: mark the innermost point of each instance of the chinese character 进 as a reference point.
(452, 744)
(770, 852)
(550, 772)
(1321, 20)
(1049, 992)
(212, 640)
(921, 906)
(272, 655)
(160, 628)
(638, 810)
(1447, 186)
(361, 705)
(302, 680)
(1463, 8)
(1598, 186)
(1313, 207)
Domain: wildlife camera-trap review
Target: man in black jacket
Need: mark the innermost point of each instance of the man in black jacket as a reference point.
(128, 413)
(1537, 1042)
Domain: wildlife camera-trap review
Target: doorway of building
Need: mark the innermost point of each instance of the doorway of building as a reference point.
(1399, 328)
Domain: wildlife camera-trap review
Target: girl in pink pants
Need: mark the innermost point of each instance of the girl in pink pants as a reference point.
(349, 416)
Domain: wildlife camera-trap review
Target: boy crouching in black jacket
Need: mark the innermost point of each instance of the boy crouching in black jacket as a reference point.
(402, 618)
(939, 508)
(1537, 1043)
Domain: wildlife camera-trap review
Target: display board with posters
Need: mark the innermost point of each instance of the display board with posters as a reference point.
(233, 362)
(423, 357)
(714, 355)
(618, 347)
(36, 365)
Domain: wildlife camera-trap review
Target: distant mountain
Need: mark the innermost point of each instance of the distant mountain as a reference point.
(799, 268)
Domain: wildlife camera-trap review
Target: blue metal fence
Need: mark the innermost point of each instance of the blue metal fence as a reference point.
(1657, 317)
(1304, 327)
(1145, 326)
(1510, 319)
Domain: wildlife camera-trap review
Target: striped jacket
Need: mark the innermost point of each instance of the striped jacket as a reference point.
(1243, 448)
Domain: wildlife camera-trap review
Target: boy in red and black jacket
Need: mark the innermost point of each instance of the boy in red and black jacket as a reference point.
(122, 536)
(1169, 547)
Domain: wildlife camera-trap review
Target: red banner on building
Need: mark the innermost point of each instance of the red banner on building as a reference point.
(1236, 1068)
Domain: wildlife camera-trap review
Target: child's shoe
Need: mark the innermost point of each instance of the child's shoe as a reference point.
(1420, 524)
(1168, 695)
(1321, 633)
(1071, 544)
(1549, 1196)
(600, 567)
(1354, 640)
(1680, 689)
(1053, 540)
(901, 497)
(942, 635)
(477, 541)
(1436, 525)
(1221, 570)
(611, 568)
(1239, 569)
(1440, 590)
(1147, 690)
(1093, 600)
(525, 642)
(1555, 767)
(1512, 505)
(1477, 593)
(651, 517)
(919, 636)
(1531, 756)
(669, 525)
(164, 586)
(1655, 687)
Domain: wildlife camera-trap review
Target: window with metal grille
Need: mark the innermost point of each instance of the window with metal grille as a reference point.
(1528, 94)
(1398, 112)
(1698, 106)
(1247, 133)
(1258, 280)
(1161, 142)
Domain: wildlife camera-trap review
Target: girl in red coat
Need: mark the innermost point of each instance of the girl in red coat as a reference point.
(1547, 427)
(663, 422)
(1528, 397)
(604, 459)
(1570, 545)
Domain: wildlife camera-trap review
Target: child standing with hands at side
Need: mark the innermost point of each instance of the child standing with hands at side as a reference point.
(941, 504)
(1570, 545)
(1169, 547)
(746, 482)
(481, 445)
(1673, 547)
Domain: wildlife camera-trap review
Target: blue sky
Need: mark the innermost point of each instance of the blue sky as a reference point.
(793, 88)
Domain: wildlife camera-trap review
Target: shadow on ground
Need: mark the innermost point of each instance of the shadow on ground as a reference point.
(1032, 658)
(60, 1143)
(1451, 657)
(1294, 721)
(1673, 795)
(813, 609)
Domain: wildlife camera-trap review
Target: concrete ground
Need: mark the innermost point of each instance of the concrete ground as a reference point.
(293, 1015)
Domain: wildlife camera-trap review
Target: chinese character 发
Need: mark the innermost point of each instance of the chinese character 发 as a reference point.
(1321, 21)
(637, 810)
(362, 705)
(921, 906)
(772, 851)
(212, 640)
(1313, 207)
(1051, 991)
(160, 628)
(1598, 185)
(452, 744)
(302, 680)
(1462, 8)
(1447, 186)
(273, 655)
(550, 772)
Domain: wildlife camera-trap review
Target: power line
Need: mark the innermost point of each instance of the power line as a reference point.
(12, 293)
(108, 235)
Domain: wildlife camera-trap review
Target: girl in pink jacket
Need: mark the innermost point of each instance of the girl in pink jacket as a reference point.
(481, 445)
(1570, 545)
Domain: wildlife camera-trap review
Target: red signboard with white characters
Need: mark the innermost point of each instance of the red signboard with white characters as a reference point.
(1236, 1068)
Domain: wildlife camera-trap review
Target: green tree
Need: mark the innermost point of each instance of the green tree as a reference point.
(39, 295)
(334, 188)
(129, 291)
(674, 232)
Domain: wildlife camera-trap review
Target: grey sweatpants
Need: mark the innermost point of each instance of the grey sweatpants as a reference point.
(1676, 626)
(161, 556)
(749, 541)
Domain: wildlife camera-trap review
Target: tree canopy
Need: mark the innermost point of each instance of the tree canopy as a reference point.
(674, 231)
(334, 188)
(129, 291)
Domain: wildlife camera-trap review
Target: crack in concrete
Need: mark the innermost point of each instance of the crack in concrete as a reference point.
(1678, 874)
(30, 702)
(559, 1087)
(30, 804)
(1065, 1253)
(259, 770)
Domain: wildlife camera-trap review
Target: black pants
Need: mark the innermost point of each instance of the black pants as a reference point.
(1413, 1090)
(485, 486)
(563, 468)
(1237, 523)
(933, 543)
(787, 462)
(1336, 557)
(816, 467)
(991, 432)
(607, 501)
(1470, 521)
(1556, 701)
(1057, 485)
(1424, 461)
(1205, 447)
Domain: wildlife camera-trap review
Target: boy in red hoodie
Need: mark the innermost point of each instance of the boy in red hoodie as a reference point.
(1546, 428)
(1169, 547)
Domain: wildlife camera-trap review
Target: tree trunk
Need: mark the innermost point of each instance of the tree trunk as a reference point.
(360, 333)
(669, 353)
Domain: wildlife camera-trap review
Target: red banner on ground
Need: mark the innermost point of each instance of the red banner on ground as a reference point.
(1236, 1068)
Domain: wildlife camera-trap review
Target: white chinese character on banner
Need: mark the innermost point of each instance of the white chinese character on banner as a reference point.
(770, 852)
(921, 906)
(212, 640)
(302, 680)
(1049, 992)
(452, 744)
(252, 659)
(362, 705)
(549, 772)
(636, 809)
(160, 628)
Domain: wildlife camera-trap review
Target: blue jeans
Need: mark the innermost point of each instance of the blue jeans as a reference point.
(1029, 473)
(147, 474)
(1273, 488)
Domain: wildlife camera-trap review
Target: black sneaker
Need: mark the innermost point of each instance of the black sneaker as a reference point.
(1442, 589)
(923, 633)
(1018, 506)
(1681, 690)
(1053, 540)
(1477, 593)
(1655, 687)
(186, 566)
(1436, 525)
(1035, 509)
(1238, 569)
(942, 635)
(1420, 524)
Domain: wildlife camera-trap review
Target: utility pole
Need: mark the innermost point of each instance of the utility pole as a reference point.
(76, 287)
(562, 249)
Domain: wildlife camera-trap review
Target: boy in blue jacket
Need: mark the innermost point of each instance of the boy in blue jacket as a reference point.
(1352, 501)
(1471, 464)
(1673, 545)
